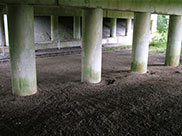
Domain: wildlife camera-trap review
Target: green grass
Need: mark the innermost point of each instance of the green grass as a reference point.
(158, 47)
(118, 47)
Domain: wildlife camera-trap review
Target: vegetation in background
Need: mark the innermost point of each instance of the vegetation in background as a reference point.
(162, 23)
(118, 48)
(159, 40)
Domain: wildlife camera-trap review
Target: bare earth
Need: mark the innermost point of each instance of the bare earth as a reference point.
(124, 103)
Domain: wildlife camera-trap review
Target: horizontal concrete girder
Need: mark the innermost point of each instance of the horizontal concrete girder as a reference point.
(70, 11)
(153, 6)
(32, 2)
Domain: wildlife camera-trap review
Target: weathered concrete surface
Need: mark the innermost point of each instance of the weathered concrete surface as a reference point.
(42, 29)
(121, 40)
(141, 36)
(153, 6)
(54, 28)
(174, 41)
(57, 11)
(71, 11)
(2, 32)
(92, 45)
(76, 28)
(113, 27)
(128, 29)
(60, 45)
(22, 50)
(31, 2)
(6, 29)
(154, 23)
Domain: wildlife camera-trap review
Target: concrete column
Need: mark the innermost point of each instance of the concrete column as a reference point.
(54, 28)
(92, 45)
(22, 49)
(153, 23)
(128, 27)
(174, 41)
(141, 38)
(2, 33)
(6, 30)
(113, 27)
(76, 28)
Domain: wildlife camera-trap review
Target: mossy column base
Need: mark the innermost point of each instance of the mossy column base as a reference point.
(54, 28)
(2, 31)
(174, 41)
(140, 48)
(22, 49)
(113, 27)
(128, 27)
(76, 28)
(92, 45)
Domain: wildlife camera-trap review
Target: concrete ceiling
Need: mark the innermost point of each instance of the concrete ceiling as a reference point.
(153, 6)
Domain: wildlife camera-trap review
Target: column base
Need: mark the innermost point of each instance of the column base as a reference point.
(172, 61)
(139, 67)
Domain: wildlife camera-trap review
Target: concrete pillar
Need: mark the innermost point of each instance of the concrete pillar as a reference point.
(113, 27)
(128, 27)
(2, 33)
(174, 41)
(22, 49)
(54, 28)
(141, 37)
(153, 23)
(92, 45)
(6, 29)
(76, 28)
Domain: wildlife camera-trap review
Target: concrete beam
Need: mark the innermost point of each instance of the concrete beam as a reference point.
(153, 6)
(71, 11)
(57, 11)
(31, 2)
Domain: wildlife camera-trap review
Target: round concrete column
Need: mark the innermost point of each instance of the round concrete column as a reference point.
(113, 27)
(54, 28)
(22, 49)
(128, 27)
(76, 28)
(140, 46)
(92, 45)
(174, 41)
(2, 32)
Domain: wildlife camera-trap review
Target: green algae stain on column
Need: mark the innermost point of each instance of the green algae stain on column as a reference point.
(139, 67)
(23, 87)
(92, 45)
(172, 61)
(174, 41)
(140, 48)
(93, 76)
(22, 50)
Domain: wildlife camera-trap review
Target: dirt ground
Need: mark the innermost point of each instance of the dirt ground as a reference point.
(124, 103)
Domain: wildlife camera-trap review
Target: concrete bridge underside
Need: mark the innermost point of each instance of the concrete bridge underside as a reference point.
(173, 7)
(21, 35)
